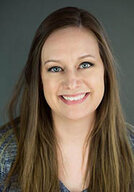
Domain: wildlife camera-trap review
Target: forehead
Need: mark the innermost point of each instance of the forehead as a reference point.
(70, 40)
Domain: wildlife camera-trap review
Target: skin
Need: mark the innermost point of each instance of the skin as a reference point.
(72, 123)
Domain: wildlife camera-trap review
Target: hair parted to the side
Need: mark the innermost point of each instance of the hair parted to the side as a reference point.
(110, 160)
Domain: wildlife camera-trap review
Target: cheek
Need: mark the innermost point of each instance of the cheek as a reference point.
(97, 92)
(49, 87)
(100, 88)
(96, 82)
(96, 79)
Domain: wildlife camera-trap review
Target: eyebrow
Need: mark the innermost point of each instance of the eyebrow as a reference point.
(58, 61)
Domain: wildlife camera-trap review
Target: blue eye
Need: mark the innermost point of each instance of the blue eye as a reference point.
(55, 67)
(85, 64)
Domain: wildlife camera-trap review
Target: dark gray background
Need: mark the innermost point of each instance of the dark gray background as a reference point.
(19, 20)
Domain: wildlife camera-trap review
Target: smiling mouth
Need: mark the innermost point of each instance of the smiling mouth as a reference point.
(75, 95)
(74, 100)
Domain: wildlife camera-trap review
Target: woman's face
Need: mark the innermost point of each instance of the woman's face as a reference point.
(77, 69)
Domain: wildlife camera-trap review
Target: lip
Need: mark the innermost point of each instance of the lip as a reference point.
(74, 95)
(74, 102)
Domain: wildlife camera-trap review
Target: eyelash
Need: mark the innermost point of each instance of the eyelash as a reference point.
(49, 70)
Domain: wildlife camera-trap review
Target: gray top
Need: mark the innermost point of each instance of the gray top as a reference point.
(64, 189)
(8, 150)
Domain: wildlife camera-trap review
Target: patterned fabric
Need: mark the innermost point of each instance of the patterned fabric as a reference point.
(8, 151)
(64, 189)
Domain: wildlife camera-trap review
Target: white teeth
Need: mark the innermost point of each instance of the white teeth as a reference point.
(74, 98)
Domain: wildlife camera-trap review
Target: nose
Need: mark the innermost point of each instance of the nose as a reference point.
(72, 80)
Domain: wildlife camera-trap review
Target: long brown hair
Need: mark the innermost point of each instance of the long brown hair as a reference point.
(110, 158)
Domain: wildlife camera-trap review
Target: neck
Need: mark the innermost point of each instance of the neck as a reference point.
(72, 133)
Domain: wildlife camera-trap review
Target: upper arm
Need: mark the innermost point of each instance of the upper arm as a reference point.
(130, 129)
(7, 151)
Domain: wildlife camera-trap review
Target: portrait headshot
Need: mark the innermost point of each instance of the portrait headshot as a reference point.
(66, 129)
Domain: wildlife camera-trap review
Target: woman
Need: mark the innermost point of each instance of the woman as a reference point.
(70, 134)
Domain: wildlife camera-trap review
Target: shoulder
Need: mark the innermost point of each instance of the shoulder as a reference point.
(130, 132)
(8, 149)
